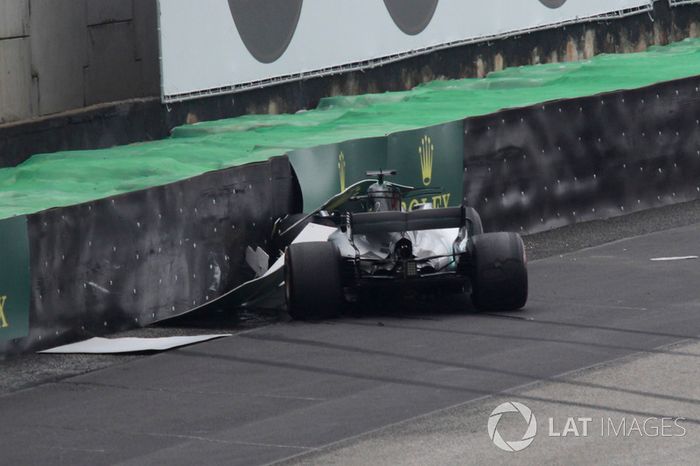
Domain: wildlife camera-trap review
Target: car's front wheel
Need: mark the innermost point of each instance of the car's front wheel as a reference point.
(312, 281)
(499, 272)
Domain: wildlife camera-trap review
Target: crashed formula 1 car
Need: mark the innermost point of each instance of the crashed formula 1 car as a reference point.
(372, 244)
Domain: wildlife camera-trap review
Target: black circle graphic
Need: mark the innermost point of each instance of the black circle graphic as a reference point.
(553, 3)
(266, 26)
(411, 16)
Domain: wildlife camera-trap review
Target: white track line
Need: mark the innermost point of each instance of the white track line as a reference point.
(667, 259)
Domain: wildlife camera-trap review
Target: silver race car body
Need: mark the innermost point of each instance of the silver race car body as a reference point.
(374, 243)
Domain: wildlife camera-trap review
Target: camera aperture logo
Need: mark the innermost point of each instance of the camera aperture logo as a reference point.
(512, 445)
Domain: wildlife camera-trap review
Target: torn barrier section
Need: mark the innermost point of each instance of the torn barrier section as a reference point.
(561, 162)
(138, 258)
(427, 157)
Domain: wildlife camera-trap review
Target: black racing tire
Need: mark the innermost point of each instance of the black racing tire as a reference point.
(474, 221)
(313, 283)
(499, 272)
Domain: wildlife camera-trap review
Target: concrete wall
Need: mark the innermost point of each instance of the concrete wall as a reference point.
(58, 55)
(121, 57)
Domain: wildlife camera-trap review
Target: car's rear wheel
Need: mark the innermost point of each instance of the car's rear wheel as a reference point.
(499, 272)
(312, 281)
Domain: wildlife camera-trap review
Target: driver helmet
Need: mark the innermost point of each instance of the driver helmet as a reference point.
(384, 197)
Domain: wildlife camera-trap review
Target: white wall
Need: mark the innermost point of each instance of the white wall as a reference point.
(202, 50)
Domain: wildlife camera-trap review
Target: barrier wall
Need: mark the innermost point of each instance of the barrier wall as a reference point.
(146, 119)
(566, 161)
(134, 259)
(145, 256)
(58, 55)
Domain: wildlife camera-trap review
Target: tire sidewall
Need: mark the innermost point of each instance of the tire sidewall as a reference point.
(499, 272)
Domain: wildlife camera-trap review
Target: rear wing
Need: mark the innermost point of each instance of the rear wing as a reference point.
(396, 222)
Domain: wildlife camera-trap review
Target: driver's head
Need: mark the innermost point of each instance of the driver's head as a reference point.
(384, 197)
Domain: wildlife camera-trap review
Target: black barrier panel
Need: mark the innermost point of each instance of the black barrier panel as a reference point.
(561, 162)
(141, 257)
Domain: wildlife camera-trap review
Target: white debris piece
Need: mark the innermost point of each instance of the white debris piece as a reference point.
(129, 345)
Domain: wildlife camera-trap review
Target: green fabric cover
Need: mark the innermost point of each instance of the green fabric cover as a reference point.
(67, 178)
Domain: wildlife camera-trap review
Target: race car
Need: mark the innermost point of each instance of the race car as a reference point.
(375, 245)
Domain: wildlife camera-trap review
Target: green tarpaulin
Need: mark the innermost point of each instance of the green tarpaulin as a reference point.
(67, 178)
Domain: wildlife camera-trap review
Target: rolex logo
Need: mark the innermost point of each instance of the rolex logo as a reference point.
(3, 318)
(341, 171)
(427, 155)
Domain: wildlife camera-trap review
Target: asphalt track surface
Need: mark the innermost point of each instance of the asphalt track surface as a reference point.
(288, 390)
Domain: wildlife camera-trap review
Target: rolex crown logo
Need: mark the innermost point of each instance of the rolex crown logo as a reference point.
(3, 318)
(341, 171)
(427, 156)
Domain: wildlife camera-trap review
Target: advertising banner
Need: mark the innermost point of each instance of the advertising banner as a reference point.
(14, 279)
(218, 46)
(325, 171)
(429, 158)
(424, 158)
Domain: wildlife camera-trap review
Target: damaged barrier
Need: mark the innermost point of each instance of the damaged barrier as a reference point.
(137, 258)
(144, 256)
